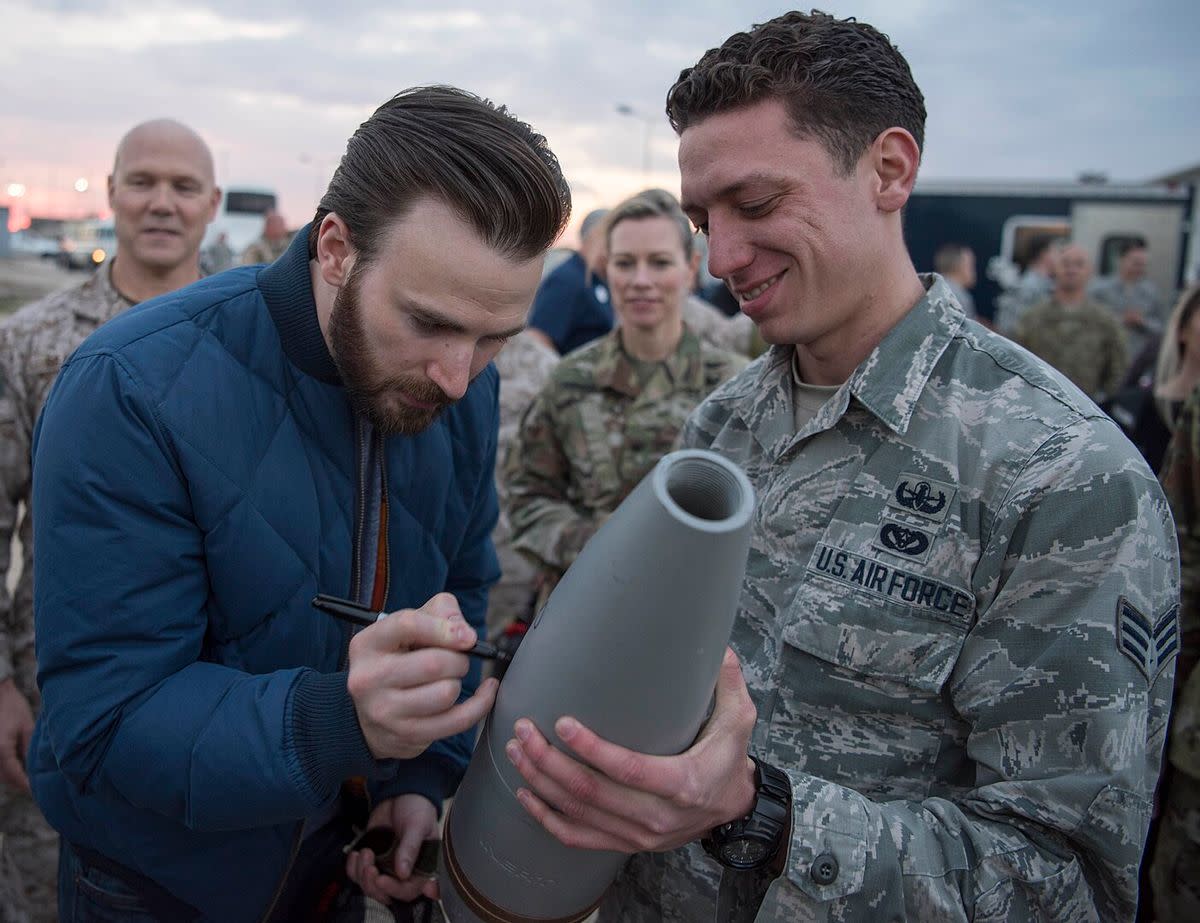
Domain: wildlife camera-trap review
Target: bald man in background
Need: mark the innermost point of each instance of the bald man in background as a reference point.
(163, 194)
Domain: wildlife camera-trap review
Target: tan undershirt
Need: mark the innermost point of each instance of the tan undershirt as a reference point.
(807, 399)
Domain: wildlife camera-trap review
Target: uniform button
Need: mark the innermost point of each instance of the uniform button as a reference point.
(824, 869)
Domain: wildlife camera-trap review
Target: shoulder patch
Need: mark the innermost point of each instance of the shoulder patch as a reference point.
(1150, 645)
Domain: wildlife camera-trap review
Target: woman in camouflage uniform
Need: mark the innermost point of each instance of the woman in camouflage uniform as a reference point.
(612, 409)
(1174, 852)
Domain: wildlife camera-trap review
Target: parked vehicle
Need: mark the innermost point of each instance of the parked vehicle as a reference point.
(29, 244)
(240, 216)
(86, 244)
(999, 220)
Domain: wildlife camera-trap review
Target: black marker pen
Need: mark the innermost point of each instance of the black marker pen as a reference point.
(350, 611)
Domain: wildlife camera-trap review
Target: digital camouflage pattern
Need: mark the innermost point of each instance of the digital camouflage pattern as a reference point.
(929, 629)
(1013, 304)
(34, 343)
(590, 437)
(265, 251)
(1175, 869)
(1142, 296)
(1082, 341)
(524, 364)
(1181, 481)
(732, 334)
(13, 903)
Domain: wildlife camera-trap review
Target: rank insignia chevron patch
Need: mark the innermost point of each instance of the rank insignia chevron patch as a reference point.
(1149, 645)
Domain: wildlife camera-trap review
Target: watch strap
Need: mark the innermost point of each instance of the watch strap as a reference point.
(767, 821)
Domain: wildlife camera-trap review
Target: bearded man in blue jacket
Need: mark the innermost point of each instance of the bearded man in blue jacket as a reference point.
(209, 461)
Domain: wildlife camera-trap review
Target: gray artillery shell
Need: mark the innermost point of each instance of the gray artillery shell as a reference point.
(630, 643)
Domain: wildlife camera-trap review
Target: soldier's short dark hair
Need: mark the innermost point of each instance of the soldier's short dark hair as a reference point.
(1039, 245)
(843, 82)
(494, 170)
(1130, 244)
(652, 203)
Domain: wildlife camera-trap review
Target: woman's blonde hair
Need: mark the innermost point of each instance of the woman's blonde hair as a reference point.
(1170, 350)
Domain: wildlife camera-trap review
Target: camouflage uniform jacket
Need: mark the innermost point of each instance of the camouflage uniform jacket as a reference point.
(524, 365)
(34, 343)
(1142, 296)
(1181, 481)
(1083, 342)
(265, 251)
(593, 433)
(732, 334)
(945, 565)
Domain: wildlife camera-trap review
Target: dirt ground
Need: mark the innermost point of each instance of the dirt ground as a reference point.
(24, 278)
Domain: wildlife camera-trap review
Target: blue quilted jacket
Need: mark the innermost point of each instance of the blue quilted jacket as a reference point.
(198, 476)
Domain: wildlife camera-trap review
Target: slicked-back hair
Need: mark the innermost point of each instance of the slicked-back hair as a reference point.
(843, 82)
(652, 203)
(493, 170)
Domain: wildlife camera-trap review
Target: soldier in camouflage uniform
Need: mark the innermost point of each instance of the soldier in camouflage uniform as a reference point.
(1175, 868)
(524, 365)
(1134, 300)
(613, 408)
(731, 334)
(270, 245)
(1074, 334)
(957, 629)
(163, 195)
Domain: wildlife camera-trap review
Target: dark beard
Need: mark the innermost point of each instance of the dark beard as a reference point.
(371, 394)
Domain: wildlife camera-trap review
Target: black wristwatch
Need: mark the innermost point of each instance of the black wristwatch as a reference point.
(753, 841)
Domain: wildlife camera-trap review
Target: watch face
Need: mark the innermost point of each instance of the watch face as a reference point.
(745, 853)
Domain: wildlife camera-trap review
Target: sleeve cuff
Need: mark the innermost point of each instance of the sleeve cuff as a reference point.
(329, 743)
(430, 774)
(829, 822)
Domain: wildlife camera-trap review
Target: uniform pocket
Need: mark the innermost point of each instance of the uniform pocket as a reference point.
(861, 685)
(891, 625)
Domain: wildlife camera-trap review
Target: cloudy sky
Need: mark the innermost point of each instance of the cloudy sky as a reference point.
(1014, 89)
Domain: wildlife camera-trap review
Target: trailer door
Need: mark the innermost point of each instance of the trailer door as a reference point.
(1101, 227)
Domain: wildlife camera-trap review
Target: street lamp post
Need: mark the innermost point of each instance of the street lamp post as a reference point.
(648, 123)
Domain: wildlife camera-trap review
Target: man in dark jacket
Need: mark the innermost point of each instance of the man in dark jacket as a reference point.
(210, 460)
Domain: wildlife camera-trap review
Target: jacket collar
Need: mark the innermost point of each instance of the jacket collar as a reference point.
(104, 302)
(286, 286)
(888, 383)
(616, 371)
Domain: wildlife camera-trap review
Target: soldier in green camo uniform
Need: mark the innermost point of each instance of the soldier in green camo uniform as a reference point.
(956, 637)
(523, 365)
(612, 409)
(162, 195)
(1074, 334)
(1175, 868)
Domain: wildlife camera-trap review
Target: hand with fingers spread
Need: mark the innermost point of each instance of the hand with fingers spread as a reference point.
(406, 676)
(609, 797)
(16, 730)
(414, 819)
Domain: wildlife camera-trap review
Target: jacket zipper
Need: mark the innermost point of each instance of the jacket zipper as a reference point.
(383, 524)
(362, 461)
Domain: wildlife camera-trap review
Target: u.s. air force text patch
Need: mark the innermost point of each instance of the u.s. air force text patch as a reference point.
(1150, 645)
(938, 600)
